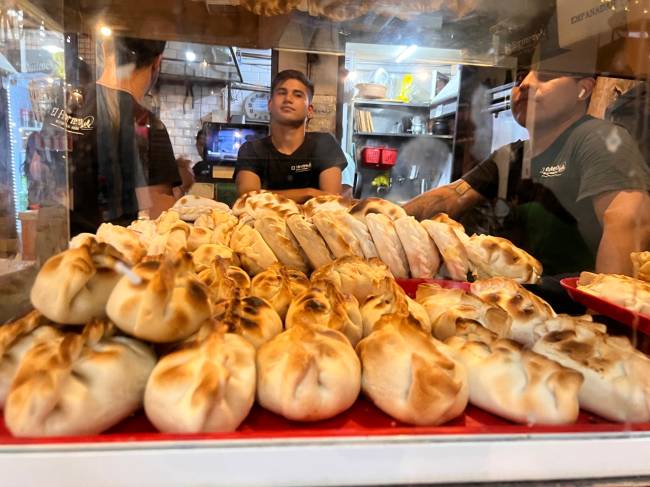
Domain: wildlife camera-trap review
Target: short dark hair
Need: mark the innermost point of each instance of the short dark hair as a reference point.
(287, 74)
(142, 52)
(199, 134)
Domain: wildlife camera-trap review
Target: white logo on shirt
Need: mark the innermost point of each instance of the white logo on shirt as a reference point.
(301, 167)
(71, 124)
(552, 171)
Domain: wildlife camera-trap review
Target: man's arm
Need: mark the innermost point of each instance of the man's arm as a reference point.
(247, 181)
(453, 199)
(300, 195)
(329, 182)
(625, 217)
(155, 199)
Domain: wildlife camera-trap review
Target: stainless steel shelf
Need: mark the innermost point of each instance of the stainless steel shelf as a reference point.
(384, 103)
(390, 134)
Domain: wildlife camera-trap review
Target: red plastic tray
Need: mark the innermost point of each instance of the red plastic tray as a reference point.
(638, 321)
(363, 419)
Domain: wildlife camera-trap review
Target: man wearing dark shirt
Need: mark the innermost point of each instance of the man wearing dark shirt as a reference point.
(203, 169)
(122, 161)
(291, 162)
(580, 187)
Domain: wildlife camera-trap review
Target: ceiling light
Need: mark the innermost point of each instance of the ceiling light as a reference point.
(105, 31)
(52, 49)
(190, 56)
(406, 53)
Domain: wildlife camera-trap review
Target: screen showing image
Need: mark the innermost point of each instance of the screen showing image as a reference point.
(224, 140)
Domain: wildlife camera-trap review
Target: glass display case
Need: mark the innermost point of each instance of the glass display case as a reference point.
(153, 332)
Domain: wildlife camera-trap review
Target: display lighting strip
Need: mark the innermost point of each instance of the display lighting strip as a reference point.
(14, 173)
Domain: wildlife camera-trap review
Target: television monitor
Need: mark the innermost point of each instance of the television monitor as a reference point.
(223, 140)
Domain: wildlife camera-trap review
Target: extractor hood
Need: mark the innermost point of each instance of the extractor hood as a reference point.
(199, 64)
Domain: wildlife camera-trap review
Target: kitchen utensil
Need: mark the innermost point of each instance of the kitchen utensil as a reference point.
(418, 125)
(371, 90)
(440, 127)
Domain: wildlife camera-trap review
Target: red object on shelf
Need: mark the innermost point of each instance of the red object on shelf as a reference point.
(371, 155)
(638, 321)
(388, 156)
(363, 419)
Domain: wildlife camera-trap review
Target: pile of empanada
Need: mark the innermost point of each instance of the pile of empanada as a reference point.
(264, 228)
(327, 227)
(298, 308)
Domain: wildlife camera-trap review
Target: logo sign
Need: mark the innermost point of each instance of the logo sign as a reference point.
(75, 125)
(580, 19)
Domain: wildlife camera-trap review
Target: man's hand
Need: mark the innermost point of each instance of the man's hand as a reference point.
(453, 199)
(185, 171)
(300, 195)
(625, 216)
(155, 199)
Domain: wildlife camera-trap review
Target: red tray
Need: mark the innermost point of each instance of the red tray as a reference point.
(638, 321)
(363, 419)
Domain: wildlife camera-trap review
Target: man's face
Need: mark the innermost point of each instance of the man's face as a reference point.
(200, 144)
(290, 104)
(545, 98)
(155, 72)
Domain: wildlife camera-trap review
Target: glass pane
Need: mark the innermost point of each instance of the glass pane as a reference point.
(33, 171)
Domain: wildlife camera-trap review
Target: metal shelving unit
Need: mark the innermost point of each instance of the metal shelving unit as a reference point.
(391, 134)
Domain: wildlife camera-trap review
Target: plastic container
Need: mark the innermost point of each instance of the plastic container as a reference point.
(371, 155)
(388, 156)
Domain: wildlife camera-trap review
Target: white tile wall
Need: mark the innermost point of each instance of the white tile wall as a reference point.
(182, 120)
(183, 124)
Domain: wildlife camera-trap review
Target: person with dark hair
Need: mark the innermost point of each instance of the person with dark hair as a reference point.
(202, 170)
(291, 161)
(578, 188)
(122, 163)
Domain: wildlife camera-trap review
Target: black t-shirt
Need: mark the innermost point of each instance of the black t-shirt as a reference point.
(118, 146)
(554, 212)
(202, 172)
(318, 152)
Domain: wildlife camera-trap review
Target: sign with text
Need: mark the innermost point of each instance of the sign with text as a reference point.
(580, 19)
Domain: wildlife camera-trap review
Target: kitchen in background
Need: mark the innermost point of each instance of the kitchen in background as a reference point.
(415, 118)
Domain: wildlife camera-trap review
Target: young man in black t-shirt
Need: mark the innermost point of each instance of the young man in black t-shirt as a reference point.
(122, 160)
(581, 192)
(291, 162)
